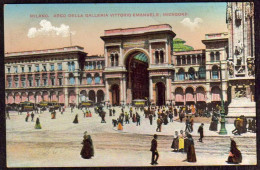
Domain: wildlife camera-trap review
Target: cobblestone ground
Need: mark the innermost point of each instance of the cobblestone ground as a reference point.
(58, 143)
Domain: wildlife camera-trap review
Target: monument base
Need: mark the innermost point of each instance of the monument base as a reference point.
(241, 106)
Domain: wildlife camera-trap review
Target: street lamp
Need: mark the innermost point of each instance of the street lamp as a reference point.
(223, 130)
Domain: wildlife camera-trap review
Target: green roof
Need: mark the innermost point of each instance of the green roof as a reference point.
(179, 45)
(141, 57)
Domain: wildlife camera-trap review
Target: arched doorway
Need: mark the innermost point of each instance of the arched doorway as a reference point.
(38, 97)
(179, 96)
(24, 97)
(189, 92)
(72, 98)
(31, 97)
(17, 98)
(115, 94)
(83, 96)
(92, 95)
(61, 97)
(137, 76)
(160, 93)
(100, 96)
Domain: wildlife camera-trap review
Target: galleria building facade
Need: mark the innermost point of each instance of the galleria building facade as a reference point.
(141, 63)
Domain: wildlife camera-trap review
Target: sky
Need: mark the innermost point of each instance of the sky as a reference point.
(25, 32)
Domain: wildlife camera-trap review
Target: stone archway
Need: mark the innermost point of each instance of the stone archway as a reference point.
(100, 96)
(160, 93)
(115, 95)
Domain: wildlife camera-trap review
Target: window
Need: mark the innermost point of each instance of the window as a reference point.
(60, 81)
(217, 56)
(199, 59)
(73, 66)
(161, 56)
(23, 83)
(156, 57)
(203, 60)
(16, 84)
(9, 82)
(191, 74)
(16, 79)
(178, 61)
(8, 69)
(30, 80)
(72, 80)
(89, 79)
(116, 58)
(30, 68)
(16, 69)
(211, 56)
(53, 82)
(38, 82)
(60, 67)
(45, 82)
(181, 74)
(183, 60)
(97, 79)
(44, 68)
(37, 68)
(52, 67)
(188, 60)
(215, 72)
(30, 83)
(22, 69)
(69, 66)
(112, 59)
(193, 59)
(202, 73)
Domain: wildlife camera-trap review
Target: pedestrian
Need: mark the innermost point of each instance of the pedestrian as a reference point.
(110, 112)
(76, 119)
(134, 118)
(171, 117)
(7, 114)
(159, 124)
(32, 116)
(103, 117)
(154, 150)
(191, 124)
(71, 109)
(235, 155)
(87, 150)
(126, 118)
(200, 130)
(187, 128)
(114, 122)
(138, 119)
(181, 115)
(191, 155)
(27, 117)
(237, 124)
(151, 118)
(175, 142)
(214, 123)
(175, 112)
(249, 125)
(131, 112)
(114, 112)
(37, 124)
(119, 127)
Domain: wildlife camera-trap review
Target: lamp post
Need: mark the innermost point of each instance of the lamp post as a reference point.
(223, 130)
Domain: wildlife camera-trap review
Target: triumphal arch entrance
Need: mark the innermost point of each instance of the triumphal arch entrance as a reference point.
(139, 64)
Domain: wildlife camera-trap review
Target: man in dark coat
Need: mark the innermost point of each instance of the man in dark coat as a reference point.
(191, 155)
(32, 116)
(137, 119)
(114, 112)
(76, 119)
(214, 123)
(110, 112)
(87, 150)
(154, 150)
(151, 119)
(187, 124)
(200, 130)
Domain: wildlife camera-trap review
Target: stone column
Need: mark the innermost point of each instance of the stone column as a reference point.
(168, 97)
(66, 97)
(77, 95)
(107, 90)
(150, 53)
(106, 59)
(124, 86)
(121, 90)
(196, 57)
(208, 95)
(121, 56)
(150, 89)
(166, 52)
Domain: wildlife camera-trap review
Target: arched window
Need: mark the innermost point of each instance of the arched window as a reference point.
(215, 72)
(156, 57)
(72, 79)
(193, 59)
(191, 74)
(112, 59)
(199, 59)
(86, 66)
(89, 79)
(97, 78)
(161, 56)
(181, 74)
(116, 59)
(202, 73)
(217, 56)
(212, 56)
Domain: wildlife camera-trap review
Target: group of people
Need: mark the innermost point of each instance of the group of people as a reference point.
(243, 125)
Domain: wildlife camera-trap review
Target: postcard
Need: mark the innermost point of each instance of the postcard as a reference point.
(128, 84)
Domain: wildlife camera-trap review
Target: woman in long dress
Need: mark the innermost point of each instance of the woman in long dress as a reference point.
(87, 150)
(76, 119)
(37, 124)
(191, 155)
(175, 142)
(235, 155)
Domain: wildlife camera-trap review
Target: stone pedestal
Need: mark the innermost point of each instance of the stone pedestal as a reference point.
(241, 106)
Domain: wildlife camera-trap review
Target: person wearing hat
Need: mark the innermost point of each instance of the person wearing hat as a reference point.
(200, 130)
(126, 118)
(37, 123)
(154, 150)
